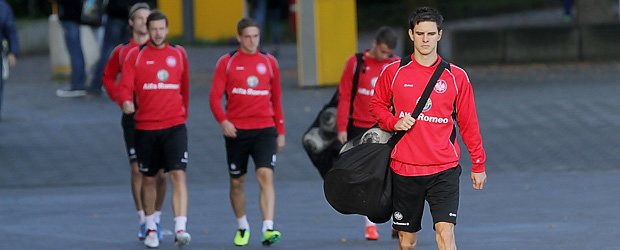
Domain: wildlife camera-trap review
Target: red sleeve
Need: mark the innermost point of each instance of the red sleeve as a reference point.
(344, 94)
(467, 120)
(125, 87)
(218, 87)
(381, 100)
(276, 96)
(185, 82)
(110, 72)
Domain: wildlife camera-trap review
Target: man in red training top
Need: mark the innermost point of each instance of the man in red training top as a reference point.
(374, 60)
(139, 35)
(253, 123)
(425, 160)
(158, 74)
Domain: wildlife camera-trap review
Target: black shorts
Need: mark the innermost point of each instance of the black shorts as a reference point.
(165, 148)
(259, 143)
(440, 190)
(129, 132)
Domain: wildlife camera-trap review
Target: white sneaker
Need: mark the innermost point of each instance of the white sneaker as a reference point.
(151, 240)
(68, 92)
(182, 238)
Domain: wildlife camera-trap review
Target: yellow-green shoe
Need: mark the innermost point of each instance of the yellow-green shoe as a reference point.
(270, 237)
(242, 237)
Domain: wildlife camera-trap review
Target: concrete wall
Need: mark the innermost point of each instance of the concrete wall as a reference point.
(562, 43)
(33, 36)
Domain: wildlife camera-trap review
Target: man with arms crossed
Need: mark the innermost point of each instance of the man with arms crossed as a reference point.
(425, 160)
(374, 60)
(157, 73)
(139, 35)
(253, 123)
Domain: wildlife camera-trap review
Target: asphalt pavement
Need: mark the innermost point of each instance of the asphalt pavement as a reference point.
(550, 133)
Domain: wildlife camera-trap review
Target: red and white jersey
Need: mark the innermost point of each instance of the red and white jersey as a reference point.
(160, 79)
(251, 83)
(368, 75)
(430, 146)
(114, 66)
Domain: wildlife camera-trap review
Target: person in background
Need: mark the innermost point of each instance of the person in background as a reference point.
(252, 125)
(115, 28)
(8, 32)
(69, 13)
(139, 35)
(374, 60)
(154, 85)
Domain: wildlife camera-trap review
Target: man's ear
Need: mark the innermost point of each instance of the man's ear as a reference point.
(411, 34)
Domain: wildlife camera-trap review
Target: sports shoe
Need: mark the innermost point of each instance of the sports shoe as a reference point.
(68, 92)
(159, 235)
(151, 240)
(242, 237)
(142, 232)
(270, 237)
(371, 233)
(182, 238)
(394, 233)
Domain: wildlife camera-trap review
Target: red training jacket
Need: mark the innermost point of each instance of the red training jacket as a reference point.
(114, 66)
(430, 146)
(368, 75)
(160, 79)
(252, 87)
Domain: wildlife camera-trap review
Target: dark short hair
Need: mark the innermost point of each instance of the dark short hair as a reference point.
(244, 23)
(424, 14)
(136, 7)
(155, 16)
(386, 35)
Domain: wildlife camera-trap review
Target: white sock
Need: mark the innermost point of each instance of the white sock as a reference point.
(141, 217)
(150, 222)
(157, 216)
(179, 223)
(368, 222)
(267, 225)
(243, 222)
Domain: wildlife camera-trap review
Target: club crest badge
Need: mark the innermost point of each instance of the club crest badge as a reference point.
(441, 86)
(261, 68)
(252, 81)
(171, 61)
(398, 215)
(373, 82)
(427, 106)
(162, 75)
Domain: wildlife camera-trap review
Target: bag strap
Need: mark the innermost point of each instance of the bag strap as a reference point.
(334, 100)
(423, 99)
(356, 79)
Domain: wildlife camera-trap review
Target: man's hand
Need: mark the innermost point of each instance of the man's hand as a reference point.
(128, 107)
(281, 142)
(12, 60)
(479, 179)
(228, 129)
(405, 123)
(342, 137)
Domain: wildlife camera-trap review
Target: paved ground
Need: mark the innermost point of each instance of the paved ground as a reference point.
(550, 133)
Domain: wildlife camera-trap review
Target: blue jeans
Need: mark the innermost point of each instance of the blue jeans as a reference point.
(262, 14)
(115, 31)
(74, 47)
(1, 86)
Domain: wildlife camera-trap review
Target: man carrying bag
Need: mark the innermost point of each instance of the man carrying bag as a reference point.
(425, 162)
(360, 181)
